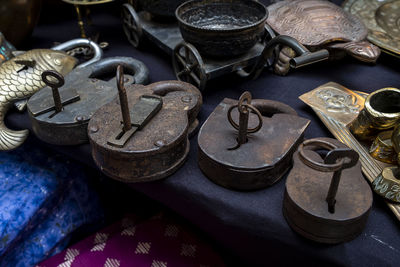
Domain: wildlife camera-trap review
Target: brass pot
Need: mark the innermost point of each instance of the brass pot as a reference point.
(381, 112)
(18, 18)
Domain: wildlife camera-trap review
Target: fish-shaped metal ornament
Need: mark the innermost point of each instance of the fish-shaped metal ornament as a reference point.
(20, 77)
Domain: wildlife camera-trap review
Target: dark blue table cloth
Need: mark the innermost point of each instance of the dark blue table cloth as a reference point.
(249, 225)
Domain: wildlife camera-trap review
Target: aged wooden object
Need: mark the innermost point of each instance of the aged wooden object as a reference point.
(248, 144)
(321, 24)
(338, 107)
(381, 17)
(143, 135)
(328, 200)
(60, 116)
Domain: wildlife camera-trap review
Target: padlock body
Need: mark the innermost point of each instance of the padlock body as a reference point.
(156, 149)
(305, 207)
(260, 162)
(69, 127)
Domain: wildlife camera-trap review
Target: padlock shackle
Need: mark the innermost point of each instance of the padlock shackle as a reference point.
(165, 87)
(333, 162)
(136, 68)
(98, 52)
(269, 107)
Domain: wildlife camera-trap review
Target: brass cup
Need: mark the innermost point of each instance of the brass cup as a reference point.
(396, 141)
(381, 112)
(382, 148)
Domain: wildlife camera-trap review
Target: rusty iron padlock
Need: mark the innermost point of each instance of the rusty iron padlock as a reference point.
(257, 157)
(61, 112)
(143, 135)
(326, 200)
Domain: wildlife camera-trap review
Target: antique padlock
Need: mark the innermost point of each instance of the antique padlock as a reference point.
(60, 113)
(327, 200)
(269, 133)
(143, 135)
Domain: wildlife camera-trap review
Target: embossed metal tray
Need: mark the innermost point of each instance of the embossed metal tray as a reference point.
(382, 18)
(337, 107)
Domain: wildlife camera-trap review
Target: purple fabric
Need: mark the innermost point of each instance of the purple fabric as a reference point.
(157, 242)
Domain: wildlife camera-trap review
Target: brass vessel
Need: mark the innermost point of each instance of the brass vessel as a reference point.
(381, 112)
(18, 18)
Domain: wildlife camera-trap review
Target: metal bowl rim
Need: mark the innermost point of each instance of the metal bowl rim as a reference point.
(260, 21)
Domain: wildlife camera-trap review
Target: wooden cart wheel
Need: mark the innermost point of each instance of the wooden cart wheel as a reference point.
(188, 65)
(131, 25)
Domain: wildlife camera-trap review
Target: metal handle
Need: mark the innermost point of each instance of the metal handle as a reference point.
(309, 58)
(333, 162)
(304, 56)
(98, 52)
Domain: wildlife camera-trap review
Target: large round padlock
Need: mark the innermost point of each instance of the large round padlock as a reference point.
(143, 135)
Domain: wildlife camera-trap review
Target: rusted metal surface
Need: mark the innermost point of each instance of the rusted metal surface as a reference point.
(156, 150)
(321, 24)
(264, 158)
(338, 107)
(326, 200)
(222, 28)
(83, 93)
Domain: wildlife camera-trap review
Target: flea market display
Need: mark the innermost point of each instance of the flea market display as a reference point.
(141, 132)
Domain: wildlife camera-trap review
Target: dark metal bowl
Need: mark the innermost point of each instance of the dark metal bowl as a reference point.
(222, 28)
(161, 8)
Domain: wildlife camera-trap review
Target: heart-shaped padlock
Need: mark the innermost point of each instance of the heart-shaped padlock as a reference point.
(269, 133)
(60, 112)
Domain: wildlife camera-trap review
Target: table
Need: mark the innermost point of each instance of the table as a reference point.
(250, 225)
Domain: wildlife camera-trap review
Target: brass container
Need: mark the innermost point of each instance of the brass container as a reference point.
(18, 18)
(381, 112)
(396, 142)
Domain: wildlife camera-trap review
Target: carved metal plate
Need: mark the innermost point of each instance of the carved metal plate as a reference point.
(337, 107)
(315, 22)
(382, 18)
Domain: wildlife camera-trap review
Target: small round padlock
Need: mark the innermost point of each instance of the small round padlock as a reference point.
(328, 200)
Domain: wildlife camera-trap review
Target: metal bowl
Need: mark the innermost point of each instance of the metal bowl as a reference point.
(161, 8)
(222, 28)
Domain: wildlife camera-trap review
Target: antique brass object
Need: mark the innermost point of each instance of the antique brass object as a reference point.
(60, 114)
(254, 152)
(6, 49)
(387, 184)
(328, 200)
(77, 4)
(20, 78)
(320, 24)
(381, 17)
(381, 112)
(382, 148)
(338, 107)
(396, 141)
(143, 135)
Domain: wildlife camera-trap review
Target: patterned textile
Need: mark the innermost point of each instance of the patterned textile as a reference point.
(43, 199)
(157, 242)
